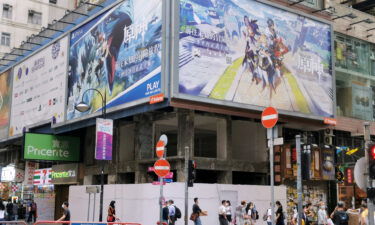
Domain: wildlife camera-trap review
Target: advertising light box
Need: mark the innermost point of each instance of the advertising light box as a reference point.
(5, 97)
(39, 88)
(51, 148)
(117, 53)
(250, 54)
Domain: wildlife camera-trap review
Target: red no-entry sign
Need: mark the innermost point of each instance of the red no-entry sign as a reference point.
(269, 117)
(160, 149)
(162, 167)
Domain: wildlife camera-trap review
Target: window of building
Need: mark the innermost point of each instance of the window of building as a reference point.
(169, 128)
(34, 17)
(5, 39)
(206, 131)
(7, 11)
(53, 1)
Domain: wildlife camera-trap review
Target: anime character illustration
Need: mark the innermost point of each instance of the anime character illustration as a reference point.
(272, 57)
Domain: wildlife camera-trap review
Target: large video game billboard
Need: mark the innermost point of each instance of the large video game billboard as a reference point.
(248, 52)
(117, 53)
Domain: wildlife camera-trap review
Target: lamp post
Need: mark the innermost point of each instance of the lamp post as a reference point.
(84, 107)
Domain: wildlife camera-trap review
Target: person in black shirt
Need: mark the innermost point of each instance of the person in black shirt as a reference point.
(9, 209)
(66, 215)
(339, 216)
(279, 214)
(165, 213)
(197, 211)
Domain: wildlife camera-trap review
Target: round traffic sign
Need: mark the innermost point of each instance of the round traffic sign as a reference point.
(269, 117)
(164, 139)
(160, 149)
(162, 167)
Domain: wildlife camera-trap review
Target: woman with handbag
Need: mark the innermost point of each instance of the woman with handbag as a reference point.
(111, 212)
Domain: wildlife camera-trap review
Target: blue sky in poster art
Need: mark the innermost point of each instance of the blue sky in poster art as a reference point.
(138, 59)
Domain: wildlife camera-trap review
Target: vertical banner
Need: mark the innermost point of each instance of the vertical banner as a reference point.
(39, 85)
(5, 97)
(104, 135)
(29, 173)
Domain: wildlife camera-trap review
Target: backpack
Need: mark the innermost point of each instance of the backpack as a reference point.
(177, 213)
(342, 218)
(33, 207)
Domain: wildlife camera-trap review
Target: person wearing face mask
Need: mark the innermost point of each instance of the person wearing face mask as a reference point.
(223, 213)
(322, 215)
(66, 214)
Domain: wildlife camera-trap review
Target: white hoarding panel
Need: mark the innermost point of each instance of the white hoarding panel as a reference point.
(39, 85)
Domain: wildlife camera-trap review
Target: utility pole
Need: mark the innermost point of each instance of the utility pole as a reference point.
(370, 204)
(272, 178)
(187, 156)
(299, 178)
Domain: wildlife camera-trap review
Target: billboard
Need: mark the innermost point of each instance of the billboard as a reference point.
(117, 53)
(39, 85)
(51, 148)
(5, 97)
(248, 54)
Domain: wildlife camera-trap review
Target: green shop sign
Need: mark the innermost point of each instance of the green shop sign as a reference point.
(65, 174)
(51, 148)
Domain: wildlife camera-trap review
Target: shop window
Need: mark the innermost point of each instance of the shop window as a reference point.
(7, 11)
(5, 39)
(34, 17)
(206, 131)
(355, 96)
(169, 128)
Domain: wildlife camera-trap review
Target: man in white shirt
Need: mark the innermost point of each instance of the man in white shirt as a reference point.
(223, 213)
(269, 216)
(172, 212)
(322, 215)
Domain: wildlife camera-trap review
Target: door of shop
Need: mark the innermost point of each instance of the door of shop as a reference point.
(62, 195)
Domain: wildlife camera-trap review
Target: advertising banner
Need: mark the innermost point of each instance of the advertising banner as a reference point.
(104, 136)
(117, 53)
(65, 174)
(39, 85)
(5, 97)
(248, 52)
(362, 101)
(12, 174)
(51, 148)
(30, 168)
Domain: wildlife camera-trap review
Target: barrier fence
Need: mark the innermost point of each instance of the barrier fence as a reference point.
(70, 223)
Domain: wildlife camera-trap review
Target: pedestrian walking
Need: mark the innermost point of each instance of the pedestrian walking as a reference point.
(295, 218)
(9, 210)
(322, 215)
(228, 210)
(339, 216)
(240, 212)
(279, 214)
(15, 210)
(2, 211)
(364, 214)
(222, 213)
(172, 212)
(195, 215)
(112, 212)
(66, 214)
(252, 214)
(33, 212)
(268, 215)
(165, 213)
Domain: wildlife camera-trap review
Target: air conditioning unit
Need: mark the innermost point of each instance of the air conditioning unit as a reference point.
(328, 135)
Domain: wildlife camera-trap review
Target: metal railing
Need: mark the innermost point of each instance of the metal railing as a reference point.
(13, 222)
(83, 223)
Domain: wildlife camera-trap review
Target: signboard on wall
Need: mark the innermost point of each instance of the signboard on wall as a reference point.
(43, 176)
(65, 174)
(51, 148)
(249, 54)
(5, 97)
(30, 168)
(39, 85)
(11, 174)
(118, 53)
(103, 141)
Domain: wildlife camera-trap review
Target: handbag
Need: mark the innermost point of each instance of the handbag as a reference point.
(193, 216)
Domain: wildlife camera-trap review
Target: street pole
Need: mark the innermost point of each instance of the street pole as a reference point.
(370, 204)
(104, 115)
(272, 178)
(299, 178)
(161, 181)
(187, 152)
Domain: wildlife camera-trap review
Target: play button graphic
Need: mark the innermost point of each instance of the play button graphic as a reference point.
(270, 117)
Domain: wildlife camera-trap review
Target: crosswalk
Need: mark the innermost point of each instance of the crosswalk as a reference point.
(185, 54)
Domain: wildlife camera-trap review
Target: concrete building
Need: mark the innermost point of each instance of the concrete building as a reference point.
(22, 18)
